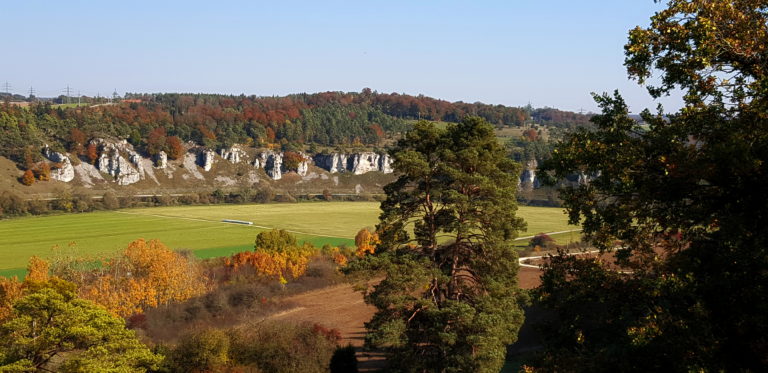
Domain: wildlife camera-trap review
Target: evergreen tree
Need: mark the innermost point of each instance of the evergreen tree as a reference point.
(449, 300)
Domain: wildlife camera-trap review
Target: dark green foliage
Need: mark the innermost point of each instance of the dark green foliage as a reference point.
(681, 199)
(541, 240)
(344, 360)
(449, 300)
(523, 150)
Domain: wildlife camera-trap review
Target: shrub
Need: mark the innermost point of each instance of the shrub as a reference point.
(206, 351)
(283, 348)
(542, 240)
(344, 360)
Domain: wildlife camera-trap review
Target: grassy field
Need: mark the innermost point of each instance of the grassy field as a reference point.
(199, 228)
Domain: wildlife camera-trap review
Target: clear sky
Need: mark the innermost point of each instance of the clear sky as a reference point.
(551, 53)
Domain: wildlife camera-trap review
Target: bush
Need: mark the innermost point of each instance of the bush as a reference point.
(283, 348)
(344, 360)
(110, 201)
(264, 195)
(542, 240)
(206, 351)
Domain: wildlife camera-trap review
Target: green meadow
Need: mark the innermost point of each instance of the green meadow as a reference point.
(200, 228)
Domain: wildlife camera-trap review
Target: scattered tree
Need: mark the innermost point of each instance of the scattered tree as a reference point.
(28, 178)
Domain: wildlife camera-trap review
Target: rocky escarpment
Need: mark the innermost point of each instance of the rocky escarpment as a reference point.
(119, 159)
(65, 171)
(206, 158)
(113, 161)
(233, 154)
(271, 162)
(356, 163)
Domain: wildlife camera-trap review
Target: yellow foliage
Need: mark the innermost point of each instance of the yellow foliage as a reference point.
(366, 242)
(147, 274)
(279, 265)
(37, 270)
(10, 290)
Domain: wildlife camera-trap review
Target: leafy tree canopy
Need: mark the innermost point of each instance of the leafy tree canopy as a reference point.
(51, 329)
(681, 199)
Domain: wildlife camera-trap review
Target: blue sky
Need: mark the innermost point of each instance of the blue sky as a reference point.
(551, 53)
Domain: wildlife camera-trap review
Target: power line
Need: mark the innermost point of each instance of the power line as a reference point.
(7, 87)
(31, 92)
(68, 90)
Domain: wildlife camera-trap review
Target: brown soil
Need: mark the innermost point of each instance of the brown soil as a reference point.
(342, 308)
(337, 307)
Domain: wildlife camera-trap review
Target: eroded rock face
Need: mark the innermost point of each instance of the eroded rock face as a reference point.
(356, 163)
(65, 172)
(112, 162)
(161, 160)
(233, 154)
(385, 164)
(363, 163)
(303, 165)
(271, 162)
(206, 159)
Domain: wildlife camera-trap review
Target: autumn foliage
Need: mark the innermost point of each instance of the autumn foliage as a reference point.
(366, 242)
(175, 147)
(277, 256)
(147, 274)
(28, 178)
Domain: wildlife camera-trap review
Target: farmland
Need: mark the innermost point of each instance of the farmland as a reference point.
(199, 228)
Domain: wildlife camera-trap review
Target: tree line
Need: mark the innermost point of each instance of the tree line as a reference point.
(154, 122)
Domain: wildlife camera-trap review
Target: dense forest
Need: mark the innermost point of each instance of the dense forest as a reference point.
(330, 119)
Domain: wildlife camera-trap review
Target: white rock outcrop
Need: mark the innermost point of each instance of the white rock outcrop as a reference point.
(356, 163)
(303, 165)
(65, 171)
(333, 163)
(207, 159)
(112, 162)
(363, 163)
(385, 164)
(233, 154)
(271, 162)
(161, 160)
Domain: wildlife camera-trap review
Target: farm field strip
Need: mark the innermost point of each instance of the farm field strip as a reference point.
(261, 227)
(199, 228)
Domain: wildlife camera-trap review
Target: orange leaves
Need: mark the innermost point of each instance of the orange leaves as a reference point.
(37, 270)
(28, 178)
(280, 266)
(175, 147)
(277, 256)
(147, 274)
(366, 242)
(10, 290)
(92, 153)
